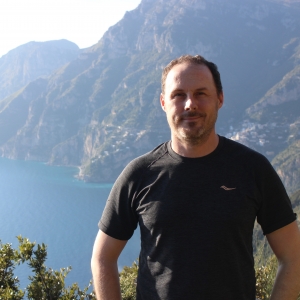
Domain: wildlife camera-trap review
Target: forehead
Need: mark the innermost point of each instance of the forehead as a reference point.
(188, 75)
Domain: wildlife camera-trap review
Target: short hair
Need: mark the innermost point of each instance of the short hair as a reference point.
(197, 60)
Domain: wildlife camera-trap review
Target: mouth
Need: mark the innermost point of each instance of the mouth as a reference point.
(191, 116)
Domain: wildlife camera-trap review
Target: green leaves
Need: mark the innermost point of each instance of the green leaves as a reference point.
(45, 283)
(128, 282)
(265, 276)
(9, 284)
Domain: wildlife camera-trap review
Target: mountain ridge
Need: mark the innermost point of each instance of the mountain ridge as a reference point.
(101, 109)
(34, 59)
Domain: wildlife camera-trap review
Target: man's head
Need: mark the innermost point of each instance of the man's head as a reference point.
(191, 97)
(197, 60)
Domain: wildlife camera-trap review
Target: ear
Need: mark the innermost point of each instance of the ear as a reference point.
(221, 100)
(162, 102)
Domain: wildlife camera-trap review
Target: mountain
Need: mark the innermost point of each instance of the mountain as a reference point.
(101, 109)
(272, 125)
(32, 60)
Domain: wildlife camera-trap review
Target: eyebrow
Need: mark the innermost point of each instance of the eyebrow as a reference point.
(202, 89)
(182, 90)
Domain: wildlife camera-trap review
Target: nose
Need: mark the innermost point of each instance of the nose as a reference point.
(190, 103)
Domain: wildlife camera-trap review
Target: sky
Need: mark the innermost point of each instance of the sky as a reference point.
(80, 21)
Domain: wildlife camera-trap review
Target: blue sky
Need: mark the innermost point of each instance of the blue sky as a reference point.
(80, 21)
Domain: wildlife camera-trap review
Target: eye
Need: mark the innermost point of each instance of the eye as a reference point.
(178, 95)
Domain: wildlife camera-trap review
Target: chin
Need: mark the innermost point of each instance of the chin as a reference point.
(195, 137)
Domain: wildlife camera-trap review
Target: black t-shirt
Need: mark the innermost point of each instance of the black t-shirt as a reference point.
(196, 217)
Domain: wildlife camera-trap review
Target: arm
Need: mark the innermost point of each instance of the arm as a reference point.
(104, 266)
(285, 243)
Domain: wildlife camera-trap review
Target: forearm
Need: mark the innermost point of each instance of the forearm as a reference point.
(287, 282)
(106, 280)
(105, 268)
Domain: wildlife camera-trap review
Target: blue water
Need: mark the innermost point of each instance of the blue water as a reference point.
(48, 205)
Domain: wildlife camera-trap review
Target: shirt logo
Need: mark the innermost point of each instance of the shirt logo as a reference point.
(226, 188)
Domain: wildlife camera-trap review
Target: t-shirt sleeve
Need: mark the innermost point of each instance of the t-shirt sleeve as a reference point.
(275, 210)
(119, 219)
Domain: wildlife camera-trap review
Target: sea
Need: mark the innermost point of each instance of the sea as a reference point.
(47, 204)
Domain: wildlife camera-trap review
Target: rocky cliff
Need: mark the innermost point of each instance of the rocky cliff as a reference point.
(32, 60)
(102, 109)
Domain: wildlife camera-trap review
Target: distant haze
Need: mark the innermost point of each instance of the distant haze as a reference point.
(80, 21)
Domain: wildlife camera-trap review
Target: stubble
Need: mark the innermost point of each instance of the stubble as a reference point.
(192, 133)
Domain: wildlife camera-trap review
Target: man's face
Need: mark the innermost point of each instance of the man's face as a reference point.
(191, 102)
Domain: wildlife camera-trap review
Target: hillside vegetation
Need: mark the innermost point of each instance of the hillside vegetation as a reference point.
(98, 108)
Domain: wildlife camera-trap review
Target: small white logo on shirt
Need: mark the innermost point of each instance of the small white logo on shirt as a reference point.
(226, 188)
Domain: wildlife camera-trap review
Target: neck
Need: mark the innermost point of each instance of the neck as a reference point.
(203, 148)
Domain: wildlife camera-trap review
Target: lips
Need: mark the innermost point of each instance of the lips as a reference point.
(192, 115)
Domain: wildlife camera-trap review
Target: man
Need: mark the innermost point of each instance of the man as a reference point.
(195, 199)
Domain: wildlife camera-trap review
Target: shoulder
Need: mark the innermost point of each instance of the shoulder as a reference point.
(239, 151)
(140, 164)
(246, 160)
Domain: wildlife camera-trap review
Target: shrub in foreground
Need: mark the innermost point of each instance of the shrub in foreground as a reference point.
(265, 277)
(45, 283)
(128, 278)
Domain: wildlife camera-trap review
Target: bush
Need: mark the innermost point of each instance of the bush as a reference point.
(45, 283)
(265, 275)
(49, 284)
(128, 278)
